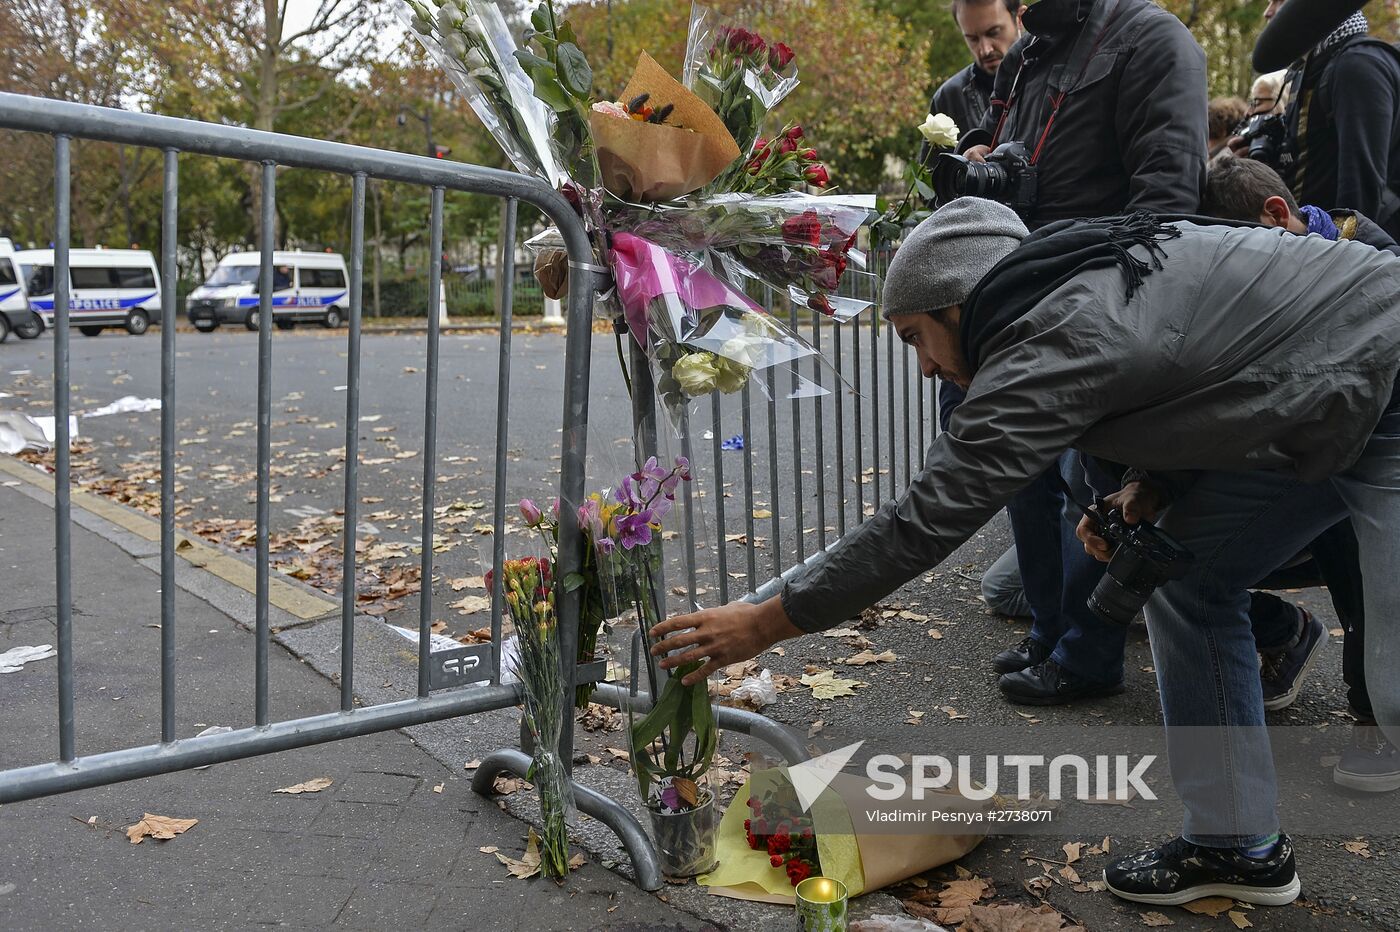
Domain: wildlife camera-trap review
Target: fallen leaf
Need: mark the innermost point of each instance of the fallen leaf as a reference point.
(913, 616)
(467, 582)
(868, 657)
(935, 634)
(915, 718)
(529, 863)
(1156, 919)
(1072, 851)
(816, 728)
(1360, 847)
(841, 633)
(438, 788)
(505, 785)
(952, 713)
(470, 605)
(957, 893)
(1039, 886)
(472, 764)
(1211, 906)
(1240, 920)
(577, 861)
(761, 513)
(158, 826)
(310, 786)
(825, 684)
(488, 849)
(1012, 918)
(1070, 874)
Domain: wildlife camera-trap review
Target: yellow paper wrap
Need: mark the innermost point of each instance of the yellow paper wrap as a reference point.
(863, 862)
(661, 161)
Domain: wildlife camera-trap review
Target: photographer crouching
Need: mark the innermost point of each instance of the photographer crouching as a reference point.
(1058, 338)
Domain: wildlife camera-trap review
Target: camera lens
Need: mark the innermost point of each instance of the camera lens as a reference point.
(955, 176)
(1114, 602)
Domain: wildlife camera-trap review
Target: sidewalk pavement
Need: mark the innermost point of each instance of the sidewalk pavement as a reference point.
(393, 842)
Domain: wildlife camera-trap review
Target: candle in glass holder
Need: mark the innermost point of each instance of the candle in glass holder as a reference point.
(821, 905)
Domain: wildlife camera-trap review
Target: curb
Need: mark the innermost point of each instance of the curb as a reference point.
(139, 535)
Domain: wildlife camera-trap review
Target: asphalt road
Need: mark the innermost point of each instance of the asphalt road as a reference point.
(945, 678)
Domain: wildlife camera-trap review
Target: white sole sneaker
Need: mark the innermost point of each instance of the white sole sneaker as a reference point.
(1366, 782)
(1259, 896)
(1287, 699)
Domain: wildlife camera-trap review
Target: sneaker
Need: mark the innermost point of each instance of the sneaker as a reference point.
(1282, 674)
(1179, 872)
(1048, 683)
(1026, 654)
(1371, 764)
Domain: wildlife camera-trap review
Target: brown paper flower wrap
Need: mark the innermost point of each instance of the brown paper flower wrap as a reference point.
(643, 162)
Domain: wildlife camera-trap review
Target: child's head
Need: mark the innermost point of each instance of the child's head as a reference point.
(1243, 189)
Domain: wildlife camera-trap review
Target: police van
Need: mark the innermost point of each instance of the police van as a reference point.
(107, 288)
(306, 286)
(15, 315)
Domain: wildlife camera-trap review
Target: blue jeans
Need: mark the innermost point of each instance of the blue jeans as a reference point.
(1059, 577)
(1002, 589)
(1240, 526)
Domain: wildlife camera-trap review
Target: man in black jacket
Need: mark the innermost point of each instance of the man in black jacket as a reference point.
(1109, 96)
(1343, 125)
(989, 27)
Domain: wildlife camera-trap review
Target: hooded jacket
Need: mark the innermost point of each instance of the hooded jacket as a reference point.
(1250, 348)
(1131, 133)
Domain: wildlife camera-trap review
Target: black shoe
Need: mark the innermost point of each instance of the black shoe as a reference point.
(1179, 872)
(1371, 764)
(1048, 683)
(1026, 654)
(1281, 675)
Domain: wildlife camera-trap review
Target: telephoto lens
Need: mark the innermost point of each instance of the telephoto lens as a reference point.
(1145, 557)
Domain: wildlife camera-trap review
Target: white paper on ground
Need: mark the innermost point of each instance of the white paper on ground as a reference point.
(14, 659)
(23, 432)
(127, 404)
(887, 923)
(758, 691)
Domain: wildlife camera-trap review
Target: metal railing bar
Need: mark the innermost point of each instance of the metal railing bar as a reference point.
(821, 440)
(891, 406)
(875, 496)
(498, 542)
(721, 528)
(264, 464)
(751, 545)
(63, 405)
(134, 763)
(774, 499)
(688, 508)
(858, 436)
(840, 391)
(169, 273)
(348, 589)
(430, 410)
(799, 512)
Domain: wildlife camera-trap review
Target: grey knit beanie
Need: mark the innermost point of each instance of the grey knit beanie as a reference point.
(948, 254)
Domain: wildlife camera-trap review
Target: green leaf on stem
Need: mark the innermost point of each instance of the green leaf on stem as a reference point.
(574, 70)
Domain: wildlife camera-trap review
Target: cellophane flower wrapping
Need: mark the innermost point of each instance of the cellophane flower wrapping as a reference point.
(800, 244)
(738, 73)
(701, 334)
(469, 39)
(529, 589)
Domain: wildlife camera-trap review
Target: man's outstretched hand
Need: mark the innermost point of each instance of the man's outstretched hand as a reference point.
(728, 634)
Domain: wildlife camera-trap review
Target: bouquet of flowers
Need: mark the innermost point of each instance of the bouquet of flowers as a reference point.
(780, 826)
(662, 162)
(528, 585)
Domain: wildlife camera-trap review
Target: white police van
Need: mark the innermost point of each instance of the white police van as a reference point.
(306, 286)
(107, 288)
(15, 315)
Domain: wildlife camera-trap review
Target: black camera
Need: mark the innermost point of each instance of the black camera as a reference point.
(1266, 134)
(1144, 558)
(1008, 175)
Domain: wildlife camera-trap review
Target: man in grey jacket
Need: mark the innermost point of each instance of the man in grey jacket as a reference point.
(1271, 416)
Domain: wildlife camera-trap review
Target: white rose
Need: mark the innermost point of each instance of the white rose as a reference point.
(474, 60)
(743, 350)
(696, 373)
(940, 130)
(422, 26)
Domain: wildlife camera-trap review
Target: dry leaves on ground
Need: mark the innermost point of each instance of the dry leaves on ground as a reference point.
(868, 657)
(528, 865)
(158, 826)
(1240, 920)
(470, 605)
(1155, 919)
(825, 684)
(310, 786)
(505, 785)
(1360, 847)
(1015, 918)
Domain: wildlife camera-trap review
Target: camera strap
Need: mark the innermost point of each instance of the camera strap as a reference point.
(1078, 55)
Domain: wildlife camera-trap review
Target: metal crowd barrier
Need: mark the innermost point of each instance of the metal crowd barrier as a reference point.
(71, 771)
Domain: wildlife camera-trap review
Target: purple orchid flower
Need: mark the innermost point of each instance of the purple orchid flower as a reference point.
(671, 797)
(634, 530)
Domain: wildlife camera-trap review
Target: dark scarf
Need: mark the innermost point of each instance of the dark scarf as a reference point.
(1050, 257)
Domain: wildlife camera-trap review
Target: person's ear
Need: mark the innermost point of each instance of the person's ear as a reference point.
(1019, 13)
(1276, 208)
